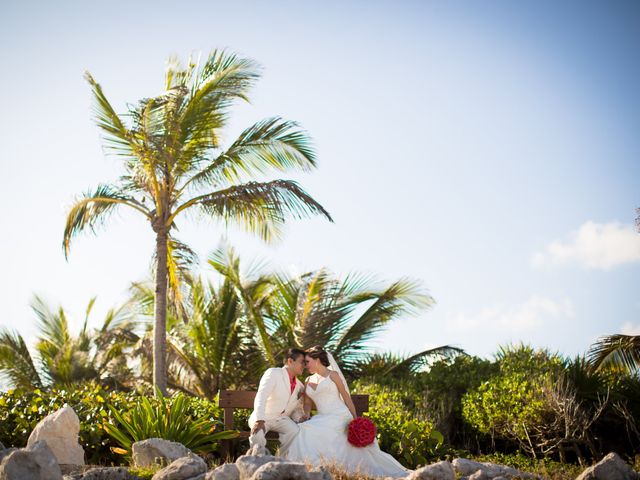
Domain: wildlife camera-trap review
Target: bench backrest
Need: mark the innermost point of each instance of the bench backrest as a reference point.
(244, 399)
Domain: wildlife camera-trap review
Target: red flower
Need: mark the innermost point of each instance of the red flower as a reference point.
(362, 432)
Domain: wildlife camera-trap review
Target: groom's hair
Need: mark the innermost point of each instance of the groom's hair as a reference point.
(293, 354)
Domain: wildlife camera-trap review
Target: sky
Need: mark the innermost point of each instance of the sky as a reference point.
(488, 149)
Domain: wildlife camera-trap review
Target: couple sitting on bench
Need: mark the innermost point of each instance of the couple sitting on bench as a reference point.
(283, 404)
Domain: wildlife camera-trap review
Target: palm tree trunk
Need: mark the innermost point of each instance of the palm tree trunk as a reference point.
(160, 325)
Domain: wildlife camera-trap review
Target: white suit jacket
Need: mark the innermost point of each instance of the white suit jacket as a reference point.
(274, 397)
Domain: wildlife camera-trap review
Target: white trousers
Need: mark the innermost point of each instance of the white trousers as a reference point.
(286, 428)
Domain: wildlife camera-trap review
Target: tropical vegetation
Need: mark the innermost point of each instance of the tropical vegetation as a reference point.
(174, 164)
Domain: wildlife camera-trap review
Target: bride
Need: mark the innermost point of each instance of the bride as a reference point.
(322, 440)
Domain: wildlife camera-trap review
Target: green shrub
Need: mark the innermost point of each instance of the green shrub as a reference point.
(403, 433)
(180, 419)
(20, 411)
(442, 388)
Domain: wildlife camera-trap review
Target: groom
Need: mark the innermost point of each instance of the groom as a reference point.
(277, 398)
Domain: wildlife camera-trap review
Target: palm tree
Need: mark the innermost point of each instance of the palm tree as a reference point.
(617, 350)
(319, 309)
(174, 164)
(389, 365)
(63, 358)
(216, 349)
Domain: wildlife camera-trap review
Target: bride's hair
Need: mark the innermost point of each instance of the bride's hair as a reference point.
(319, 353)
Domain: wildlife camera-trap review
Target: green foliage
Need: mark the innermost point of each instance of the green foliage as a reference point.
(505, 405)
(146, 473)
(173, 419)
(21, 410)
(98, 409)
(510, 404)
(443, 387)
(401, 432)
(64, 358)
(547, 405)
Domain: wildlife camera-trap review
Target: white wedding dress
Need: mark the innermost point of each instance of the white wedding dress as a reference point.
(322, 440)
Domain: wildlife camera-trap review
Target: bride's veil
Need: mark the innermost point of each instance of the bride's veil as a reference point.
(333, 365)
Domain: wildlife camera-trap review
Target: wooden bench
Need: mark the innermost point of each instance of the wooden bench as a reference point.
(229, 400)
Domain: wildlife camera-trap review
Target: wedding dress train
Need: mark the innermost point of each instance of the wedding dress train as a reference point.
(322, 440)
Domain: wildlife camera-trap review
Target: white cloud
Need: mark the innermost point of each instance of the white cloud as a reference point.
(533, 313)
(629, 328)
(594, 245)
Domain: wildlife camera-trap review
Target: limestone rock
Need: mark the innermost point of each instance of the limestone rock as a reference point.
(436, 471)
(36, 462)
(185, 468)
(479, 475)
(464, 466)
(248, 464)
(228, 471)
(145, 452)
(281, 471)
(5, 452)
(60, 430)
(611, 467)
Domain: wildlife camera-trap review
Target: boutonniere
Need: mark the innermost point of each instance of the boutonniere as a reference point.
(300, 393)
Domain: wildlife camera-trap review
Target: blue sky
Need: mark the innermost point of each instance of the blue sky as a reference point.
(488, 149)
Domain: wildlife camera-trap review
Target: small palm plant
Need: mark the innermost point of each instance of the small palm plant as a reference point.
(167, 418)
(174, 164)
(64, 358)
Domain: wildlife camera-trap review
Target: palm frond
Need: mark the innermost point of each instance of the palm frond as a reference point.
(269, 144)
(16, 363)
(258, 207)
(616, 350)
(92, 209)
(116, 136)
(226, 262)
(402, 297)
(223, 78)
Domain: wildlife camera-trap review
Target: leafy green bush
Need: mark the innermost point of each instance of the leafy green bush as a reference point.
(21, 410)
(442, 388)
(173, 419)
(403, 433)
(548, 405)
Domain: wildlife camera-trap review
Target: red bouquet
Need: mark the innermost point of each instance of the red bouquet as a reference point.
(362, 432)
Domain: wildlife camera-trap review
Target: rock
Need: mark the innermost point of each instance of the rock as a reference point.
(281, 471)
(5, 452)
(104, 473)
(146, 452)
(248, 464)
(185, 468)
(321, 474)
(467, 467)
(611, 467)
(60, 430)
(228, 471)
(436, 471)
(464, 466)
(1, 446)
(479, 475)
(36, 462)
